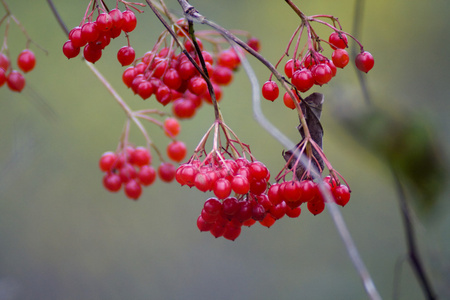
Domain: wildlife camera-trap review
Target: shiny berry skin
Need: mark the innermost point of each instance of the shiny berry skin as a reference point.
(341, 195)
(322, 74)
(129, 21)
(107, 161)
(77, 38)
(316, 206)
(69, 50)
(126, 55)
(289, 68)
(92, 54)
(229, 59)
(364, 61)
(140, 157)
(184, 108)
(26, 60)
(232, 231)
(268, 221)
(340, 58)
(240, 184)
(133, 189)
(202, 225)
(112, 182)
(146, 175)
(222, 75)
(89, 32)
(288, 102)
(222, 188)
(104, 22)
(117, 18)
(4, 62)
(171, 127)
(172, 79)
(15, 81)
(337, 40)
(270, 90)
(176, 151)
(166, 171)
(212, 206)
(303, 79)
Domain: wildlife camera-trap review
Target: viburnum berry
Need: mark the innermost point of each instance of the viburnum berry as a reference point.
(341, 194)
(140, 157)
(129, 21)
(254, 43)
(172, 79)
(126, 55)
(133, 189)
(289, 68)
(76, 37)
(222, 188)
(117, 18)
(104, 22)
(228, 58)
(26, 60)
(15, 81)
(222, 75)
(322, 73)
(316, 206)
(166, 171)
(303, 79)
(69, 50)
(176, 151)
(171, 127)
(288, 102)
(338, 40)
(112, 182)
(364, 61)
(340, 58)
(89, 32)
(146, 175)
(270, 90)
(92, 54)
(107, 161)
(4, 62)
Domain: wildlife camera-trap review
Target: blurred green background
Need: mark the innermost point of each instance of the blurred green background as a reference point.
(62, 236)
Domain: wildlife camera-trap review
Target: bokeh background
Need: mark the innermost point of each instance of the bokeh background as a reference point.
(62, 236)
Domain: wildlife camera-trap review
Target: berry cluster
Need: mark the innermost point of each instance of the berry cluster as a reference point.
(14, 78)
(94, 36)
(314, 68)
(173, 78)
(225, 214)
(132, 168)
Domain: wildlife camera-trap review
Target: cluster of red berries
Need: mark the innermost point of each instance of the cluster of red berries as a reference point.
(173, 78)
(132, 167)
(316, 69)
(225, 214)
(14, 78)
(94, 36)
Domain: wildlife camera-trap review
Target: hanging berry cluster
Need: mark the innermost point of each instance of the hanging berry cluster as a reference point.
(169, 74)
(26, 60)
(95, 35)
(310, 66)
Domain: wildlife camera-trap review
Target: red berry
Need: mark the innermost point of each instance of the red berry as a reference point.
(202, 225)
(128, 76)
(104, 22)
(15, 81)
(288, 102)
(293, 212)
(338, 40)
(26, 60)
(69, 50)
(268, 221)
(76, 36)
(340, 58)
(4, 62)
(316, 206)
(2, 77)
(222, 75)
(89, 32)
(197, 85)
(112, 182)
(146, 175)
(107, 161)
(171, 127)
(133, 189)
(126, 55)
(270, 90)
(184, 108)
(129, 21)
(230, 206)
(228, 58)
(322, 74)
(145, 89)
(203, 182)
(222, 188)
(117, 18)
(92, 54)
(212, 206)
(289, 68)
(176, 151)
(232, 231)
(341, 195)
(364, 61)
(172, 79)
(140, 157)
(166, 171)
(303, 79)
(240, 184)
(254, 43)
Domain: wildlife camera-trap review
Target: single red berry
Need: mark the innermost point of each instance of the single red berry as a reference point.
(222, 75)
(112, 182)
(322, 74)
(128, 75)
(232, 231)
(278, 211)
(176, 151)
(289, 68)
(190, 47)
(258, 212)
(293, 212)
(133, 189)
(76, 36)
(163, 95)
(316, 206)
(172, 79)
(140, 157)
(184, 108)
(338, 40)
(228, 58)
(240, 184)
(104, 22)
(171, 127)
(274, 194)
(212, 206)
(230, 206)
(89, 32)
(26, 60)
(4, 62)
(254, 43)
(245, 211)
(129, 21)
(340, 58)
(222, 188)
(270, 90)
(91, 54)
(117, 18)
(126, 55)
(15, 81)
(107, 161)
(308, 190)
(287, 100)
(202, 225)
(197, 85)
(341, 194)
(268, 221)
(69, 50)
(166, 171)
(145, 89)
(303, 79)
(146, 175)
(217, 230)
(364, 61)
(203, 182)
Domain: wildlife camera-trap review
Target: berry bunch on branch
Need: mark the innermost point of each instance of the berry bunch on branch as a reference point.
(26, 59)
